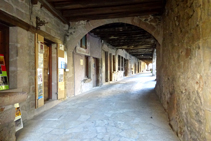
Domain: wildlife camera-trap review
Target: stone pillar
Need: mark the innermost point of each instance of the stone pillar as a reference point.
(154, 63)
(147, 66)
(7, 113)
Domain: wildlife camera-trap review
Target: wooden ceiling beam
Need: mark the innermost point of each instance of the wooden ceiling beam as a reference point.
(125, 37)
(142, 54)
(115, 9)
(113, 15)
(62, 4)
(109, 32)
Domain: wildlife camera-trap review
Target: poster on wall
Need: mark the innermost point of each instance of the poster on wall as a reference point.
(40, 91)
(2, 60)
(61, 75)
(41, 47)
(18, 119)
(4, 84)
(39, 75)
(65, 59)
(40, 60)
(40, 82)
(61, 64)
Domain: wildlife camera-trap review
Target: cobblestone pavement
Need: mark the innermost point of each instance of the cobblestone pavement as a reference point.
(127, 110)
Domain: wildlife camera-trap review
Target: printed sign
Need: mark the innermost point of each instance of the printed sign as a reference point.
(61, 63)
(41, 47)
(4, 84)
(61, 75)
(0, 70)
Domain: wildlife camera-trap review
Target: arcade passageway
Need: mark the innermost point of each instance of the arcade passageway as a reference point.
(54, 51)
(127, 110)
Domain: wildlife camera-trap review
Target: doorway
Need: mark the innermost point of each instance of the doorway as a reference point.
(47, 66)
(135, 68)
(125, 67)
(106, 66)
(110, 65)
(96, 72)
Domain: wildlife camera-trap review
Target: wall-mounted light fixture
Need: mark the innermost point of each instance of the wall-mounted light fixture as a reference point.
(40, 23)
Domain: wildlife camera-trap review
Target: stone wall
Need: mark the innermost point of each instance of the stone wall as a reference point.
(183, 68)
(22, 67)
(22, 48)
(24, 10)
(7, 124)
(77, 30)
(82, 83)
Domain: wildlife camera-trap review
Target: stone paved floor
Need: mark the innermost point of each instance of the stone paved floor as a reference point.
(127, 110)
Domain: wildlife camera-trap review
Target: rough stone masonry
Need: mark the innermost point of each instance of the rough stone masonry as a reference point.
(183, 68)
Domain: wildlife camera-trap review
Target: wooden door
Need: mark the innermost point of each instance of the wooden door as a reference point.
(110, 66)
(97, 72)
(94, 75)
(106, 67)
(126, 67)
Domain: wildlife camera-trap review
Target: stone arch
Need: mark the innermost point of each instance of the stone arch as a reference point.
(151, 24)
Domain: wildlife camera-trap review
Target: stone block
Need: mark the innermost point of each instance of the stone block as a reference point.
(10, 98)
(7, 116)
(7, 132)
(7, 7)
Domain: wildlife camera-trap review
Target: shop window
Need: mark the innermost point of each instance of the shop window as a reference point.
(83, 42)
(4, 45)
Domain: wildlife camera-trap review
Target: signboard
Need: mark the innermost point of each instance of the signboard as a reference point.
(62, 63)
(4, 84)
(18, 119)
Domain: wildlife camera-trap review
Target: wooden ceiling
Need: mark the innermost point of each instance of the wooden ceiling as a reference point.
(76, 10)
(134, 40)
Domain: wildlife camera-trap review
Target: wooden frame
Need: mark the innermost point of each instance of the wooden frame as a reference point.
(50, 74)
(85, 42)
(39, 101)
(4, 49)
(61, 87)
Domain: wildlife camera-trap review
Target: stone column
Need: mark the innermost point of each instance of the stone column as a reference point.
(7, 113)
(154, 63)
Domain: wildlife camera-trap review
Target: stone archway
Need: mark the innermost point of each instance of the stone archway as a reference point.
(150, 23)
